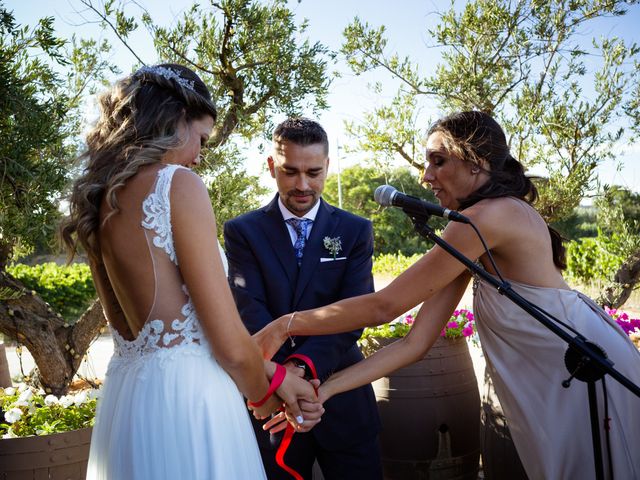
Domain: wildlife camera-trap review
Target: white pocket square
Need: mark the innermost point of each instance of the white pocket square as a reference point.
(331, 259)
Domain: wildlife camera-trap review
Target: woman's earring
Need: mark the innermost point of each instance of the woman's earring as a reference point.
(475, 170)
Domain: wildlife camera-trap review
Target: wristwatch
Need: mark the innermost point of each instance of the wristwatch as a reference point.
(300, 364)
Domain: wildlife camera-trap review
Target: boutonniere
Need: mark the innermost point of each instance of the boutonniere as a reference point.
(334, 245)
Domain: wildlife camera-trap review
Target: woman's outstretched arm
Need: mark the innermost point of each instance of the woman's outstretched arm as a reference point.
(429, 322)
(434, 271)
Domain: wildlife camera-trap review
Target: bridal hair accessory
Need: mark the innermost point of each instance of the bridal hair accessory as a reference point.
(169, 74)
(293, 343)
(276, 381)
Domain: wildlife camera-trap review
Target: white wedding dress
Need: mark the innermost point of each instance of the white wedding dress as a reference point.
(168, 410)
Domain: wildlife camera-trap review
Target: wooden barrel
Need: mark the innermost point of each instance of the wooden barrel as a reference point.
(56, 456)
(5, 375)
(500, 460)
(430, 414)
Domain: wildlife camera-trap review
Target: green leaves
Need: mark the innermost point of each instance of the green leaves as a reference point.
(390, 130)
(563, 103)
(258, 65)
(253, 57)
(392, 229)
(231, 190)
(39, 124)
(598, 259)
(594, 259)
(68, 289)
(31, 412)
(390, 265)
(364, 46)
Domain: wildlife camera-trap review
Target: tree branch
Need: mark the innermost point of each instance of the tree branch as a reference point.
(624, 283)
(106, 20)
(400, 149)
(195, 65)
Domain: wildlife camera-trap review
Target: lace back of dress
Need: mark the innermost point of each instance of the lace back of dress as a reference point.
(171, 320)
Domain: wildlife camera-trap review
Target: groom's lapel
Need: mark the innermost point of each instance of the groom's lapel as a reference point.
(323, 226)
(276, 231)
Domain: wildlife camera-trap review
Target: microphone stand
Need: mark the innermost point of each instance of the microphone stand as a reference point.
(583, 359)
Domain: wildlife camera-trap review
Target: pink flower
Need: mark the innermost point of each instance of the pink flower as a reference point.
(629, 325)
(442, 333)
(453, 324)
(467, 331)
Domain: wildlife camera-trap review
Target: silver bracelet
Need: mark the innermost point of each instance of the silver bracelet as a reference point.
(293, 343)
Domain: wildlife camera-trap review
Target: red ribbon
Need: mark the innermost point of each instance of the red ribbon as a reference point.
(288, 433)
(308, 362)
(276, 381)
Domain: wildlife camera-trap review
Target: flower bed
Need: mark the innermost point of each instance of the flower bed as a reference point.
(460, 325)
(26, 411)
(631, 326)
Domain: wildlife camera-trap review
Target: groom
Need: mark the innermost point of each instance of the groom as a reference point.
(296, 253)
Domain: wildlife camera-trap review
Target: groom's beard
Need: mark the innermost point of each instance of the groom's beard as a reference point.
(300, 202)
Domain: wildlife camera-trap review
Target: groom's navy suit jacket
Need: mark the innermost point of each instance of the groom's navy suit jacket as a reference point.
(267, 283)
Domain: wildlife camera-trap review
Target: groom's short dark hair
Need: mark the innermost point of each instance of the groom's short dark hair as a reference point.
(301, 131)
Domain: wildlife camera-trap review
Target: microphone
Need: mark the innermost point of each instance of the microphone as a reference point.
(388, 196)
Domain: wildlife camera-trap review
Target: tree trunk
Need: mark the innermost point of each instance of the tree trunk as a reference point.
(624, 282)
(57, 348)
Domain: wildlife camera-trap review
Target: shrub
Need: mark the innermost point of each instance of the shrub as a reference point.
(392, 229)
(594, 259)
(68, 289)
(393, 264)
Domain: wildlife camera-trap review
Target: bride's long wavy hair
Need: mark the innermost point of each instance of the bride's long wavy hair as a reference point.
(138, 125)
(477, 138)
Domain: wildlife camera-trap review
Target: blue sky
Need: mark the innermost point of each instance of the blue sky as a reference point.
(406, 22)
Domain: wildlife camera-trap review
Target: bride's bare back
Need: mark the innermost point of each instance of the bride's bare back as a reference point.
(141, 281)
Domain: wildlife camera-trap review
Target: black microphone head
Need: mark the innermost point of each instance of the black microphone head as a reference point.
(384, 195)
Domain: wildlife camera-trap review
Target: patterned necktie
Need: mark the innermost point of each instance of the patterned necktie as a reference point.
(301, 227)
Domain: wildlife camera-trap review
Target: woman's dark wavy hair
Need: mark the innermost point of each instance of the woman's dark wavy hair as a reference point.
(477, 138)
(138, 125)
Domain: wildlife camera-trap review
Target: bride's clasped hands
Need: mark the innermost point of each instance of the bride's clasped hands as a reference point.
(295, 401)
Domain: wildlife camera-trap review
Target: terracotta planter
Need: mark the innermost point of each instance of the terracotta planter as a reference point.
(430, 414)
(57, 456)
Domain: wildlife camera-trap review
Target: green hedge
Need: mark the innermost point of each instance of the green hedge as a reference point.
(393, 264)
(588, 260)
(68, 289)
(593, 259)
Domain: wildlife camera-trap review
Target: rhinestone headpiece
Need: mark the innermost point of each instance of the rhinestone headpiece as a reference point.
(168, 74)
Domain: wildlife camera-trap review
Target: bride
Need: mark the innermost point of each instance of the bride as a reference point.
(172, 403)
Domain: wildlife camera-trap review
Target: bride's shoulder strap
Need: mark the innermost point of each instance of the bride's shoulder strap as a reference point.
(157, 211)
